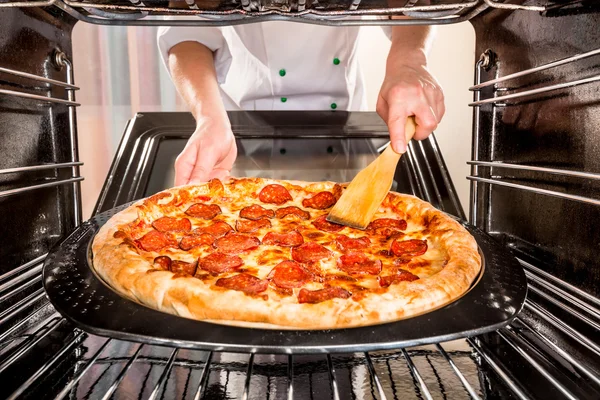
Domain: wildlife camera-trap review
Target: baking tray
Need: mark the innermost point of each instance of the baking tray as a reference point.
(83, 298)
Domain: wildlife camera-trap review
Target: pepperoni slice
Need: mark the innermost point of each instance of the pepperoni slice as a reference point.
(293, 211)
(359, 264)
(183, 267)
(275, 194)
(217, 229)
(289, 274)
(289, 239)
(408, 248)
(153, 241)
(235, 243)
(204, 211)
(168, 224)
(322, 224)
(255, 212)
(251, 226)
(218, 263)
(216, 187)
(163, 262)
(344, 243)
(399, 276)
(320, 201)
(246, 283)
(188, 242)
(318, 296)
(310, 252)
(387, 223)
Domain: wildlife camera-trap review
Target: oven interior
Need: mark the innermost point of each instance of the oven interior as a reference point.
(534, 172)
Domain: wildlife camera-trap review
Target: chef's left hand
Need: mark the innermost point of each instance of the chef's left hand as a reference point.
(409, 89)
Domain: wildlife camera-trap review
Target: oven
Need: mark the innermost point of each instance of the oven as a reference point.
(535, 188)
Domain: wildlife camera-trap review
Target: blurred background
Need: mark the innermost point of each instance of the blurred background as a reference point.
(120, 73)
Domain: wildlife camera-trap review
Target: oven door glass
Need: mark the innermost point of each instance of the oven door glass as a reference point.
(315, 159)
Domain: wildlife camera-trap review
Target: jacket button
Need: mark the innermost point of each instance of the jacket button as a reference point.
(282, 72)
(283, 99)
(336, 61)
(333, 106)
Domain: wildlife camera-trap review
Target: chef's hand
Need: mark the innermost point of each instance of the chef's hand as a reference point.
(408, 87)
(209, 153)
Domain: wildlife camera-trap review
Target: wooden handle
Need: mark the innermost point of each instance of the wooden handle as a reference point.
(410, 128)
(389, 157)
(409, 132)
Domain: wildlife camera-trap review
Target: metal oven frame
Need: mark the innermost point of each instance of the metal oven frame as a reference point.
(553, 337)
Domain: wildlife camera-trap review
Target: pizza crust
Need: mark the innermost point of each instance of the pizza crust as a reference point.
(134, 277)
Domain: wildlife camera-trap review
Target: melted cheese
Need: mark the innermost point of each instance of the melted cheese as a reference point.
(259, 262)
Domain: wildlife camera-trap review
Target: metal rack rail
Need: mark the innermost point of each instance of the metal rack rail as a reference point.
(509, 6)
(250, 370)
(253, 5)
(540, 68)
(32, 3)
(556, 171)
(513, 96)
(133, 12)
(60, 60)
(500, 100)
(240, 17)
(546, 192)
(485, 61)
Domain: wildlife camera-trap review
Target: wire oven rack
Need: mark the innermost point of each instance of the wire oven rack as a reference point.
(224, 13)
(60, 60)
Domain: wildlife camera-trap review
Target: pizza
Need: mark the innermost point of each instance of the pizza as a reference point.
(260, 252)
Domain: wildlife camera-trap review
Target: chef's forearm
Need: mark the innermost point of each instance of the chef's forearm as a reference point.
(410, 45)
(193, 71)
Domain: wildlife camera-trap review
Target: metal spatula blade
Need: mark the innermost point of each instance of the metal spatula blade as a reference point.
(363, 196)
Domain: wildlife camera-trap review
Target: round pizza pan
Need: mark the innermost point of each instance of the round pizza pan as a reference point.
(76, 292)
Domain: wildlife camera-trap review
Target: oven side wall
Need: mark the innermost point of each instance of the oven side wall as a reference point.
(558, 129)
(33, 133)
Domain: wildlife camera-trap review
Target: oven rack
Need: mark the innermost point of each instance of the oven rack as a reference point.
(135, 12)
(497, 99)
(384, 371)
(48, 85)
(487, 60)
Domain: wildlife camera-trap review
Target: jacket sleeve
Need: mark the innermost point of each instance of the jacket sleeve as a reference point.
(211, 37)
(387, 30)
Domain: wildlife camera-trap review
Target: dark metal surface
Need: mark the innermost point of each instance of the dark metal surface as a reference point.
(32, 133)
(548, 218)
(37, 199)
(333, 13)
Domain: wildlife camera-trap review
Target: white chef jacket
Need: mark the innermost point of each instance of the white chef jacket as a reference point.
(280, 65)
(285, 66)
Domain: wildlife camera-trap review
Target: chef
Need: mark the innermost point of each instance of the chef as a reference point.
(289, 66)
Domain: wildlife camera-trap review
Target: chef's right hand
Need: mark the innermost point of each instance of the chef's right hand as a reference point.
(209, 153)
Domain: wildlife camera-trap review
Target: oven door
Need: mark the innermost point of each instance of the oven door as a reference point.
(308, 146)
